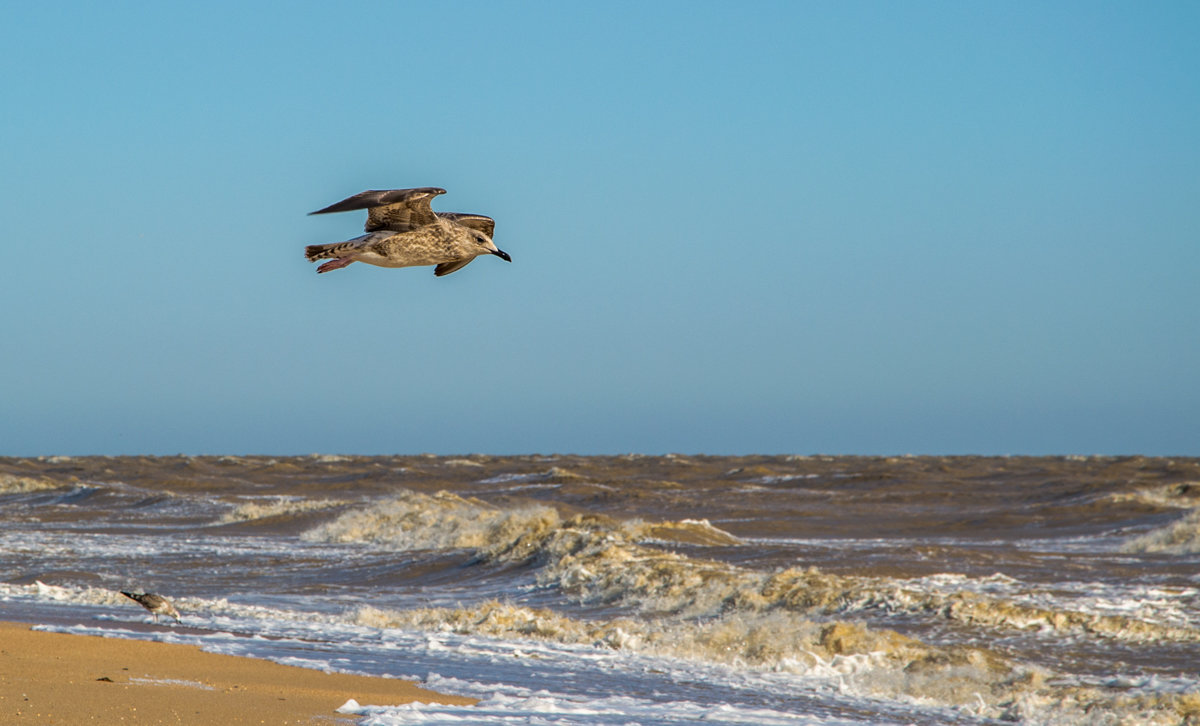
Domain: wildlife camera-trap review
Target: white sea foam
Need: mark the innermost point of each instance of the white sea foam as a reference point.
(91, 549)
(783, 479)
(171, 682)
(551, 709)
(350, 706)
(330, 458)
(554, 475)
(1150, 611)
(40, 591)
(274, 507)
(506, 478)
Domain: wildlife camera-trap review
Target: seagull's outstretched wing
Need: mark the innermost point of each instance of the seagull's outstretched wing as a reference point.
(487, 225)
(399, 210)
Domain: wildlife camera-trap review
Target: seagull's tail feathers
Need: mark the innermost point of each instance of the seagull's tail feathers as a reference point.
(313, 253)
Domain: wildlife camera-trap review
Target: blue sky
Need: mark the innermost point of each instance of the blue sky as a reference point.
(798, 227)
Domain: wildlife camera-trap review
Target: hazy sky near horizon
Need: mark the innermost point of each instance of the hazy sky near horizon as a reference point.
(802, 227)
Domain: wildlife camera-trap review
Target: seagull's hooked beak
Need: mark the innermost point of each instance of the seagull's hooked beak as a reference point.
(502, 255)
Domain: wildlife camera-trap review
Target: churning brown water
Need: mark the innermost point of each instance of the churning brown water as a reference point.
(785, 589)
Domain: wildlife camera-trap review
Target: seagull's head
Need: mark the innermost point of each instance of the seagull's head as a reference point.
(488, 246)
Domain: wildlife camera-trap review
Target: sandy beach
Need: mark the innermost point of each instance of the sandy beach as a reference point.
(53, 678)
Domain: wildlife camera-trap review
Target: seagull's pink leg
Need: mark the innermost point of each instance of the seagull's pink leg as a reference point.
(335, 264)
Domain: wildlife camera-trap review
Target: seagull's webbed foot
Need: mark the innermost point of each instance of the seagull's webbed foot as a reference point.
(335, 264)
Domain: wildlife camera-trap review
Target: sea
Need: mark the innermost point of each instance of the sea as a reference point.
(652, 590)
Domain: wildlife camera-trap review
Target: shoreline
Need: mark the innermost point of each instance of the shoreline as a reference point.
(63, 678)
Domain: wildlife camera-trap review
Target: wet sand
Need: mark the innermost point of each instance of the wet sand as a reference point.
(54, 678)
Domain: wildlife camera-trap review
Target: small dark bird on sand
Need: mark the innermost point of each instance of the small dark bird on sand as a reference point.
(156, 604)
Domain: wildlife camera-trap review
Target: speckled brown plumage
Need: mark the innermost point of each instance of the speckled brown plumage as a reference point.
(403, 231)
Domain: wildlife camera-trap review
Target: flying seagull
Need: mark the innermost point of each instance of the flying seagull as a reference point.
(156, 604)
(402, 231)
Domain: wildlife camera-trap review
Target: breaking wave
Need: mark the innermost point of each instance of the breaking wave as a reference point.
(856, 658)
(790, 620)
(873, 659)
(413, 521)
(1180, 538)
(1184, 495)
(600, 561)
(12, 484)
